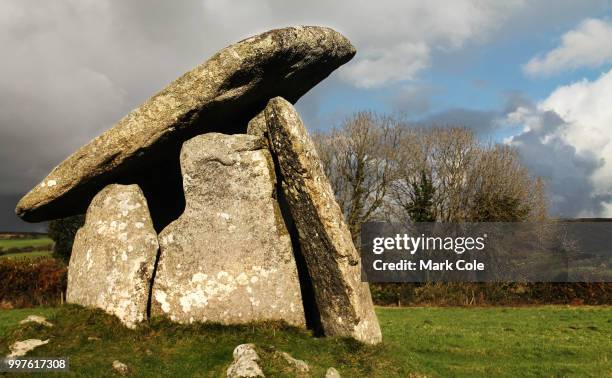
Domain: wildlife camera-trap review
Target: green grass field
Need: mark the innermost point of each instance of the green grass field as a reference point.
(530, 341)
(25, 242)
(43, 244)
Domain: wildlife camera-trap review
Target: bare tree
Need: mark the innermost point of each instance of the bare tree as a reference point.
(441, 157)
(379, 166)
(359, 159)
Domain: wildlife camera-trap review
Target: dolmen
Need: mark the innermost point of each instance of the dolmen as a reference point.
(208, 203)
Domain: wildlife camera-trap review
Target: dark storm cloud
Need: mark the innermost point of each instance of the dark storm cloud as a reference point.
(485, 123)
(566, 172)
(70, 74)
(71, 69)
(482, 122)
(515, 99)
(414, 100)
(10, 222)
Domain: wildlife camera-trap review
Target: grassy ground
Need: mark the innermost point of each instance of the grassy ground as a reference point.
(530, 341)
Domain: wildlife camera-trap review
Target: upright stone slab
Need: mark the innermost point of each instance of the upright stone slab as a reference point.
(113, 255)
(344, 302)
(228, 258)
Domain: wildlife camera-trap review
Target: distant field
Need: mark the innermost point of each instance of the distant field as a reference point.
(544, 341)
(20, 243)
(30, 247)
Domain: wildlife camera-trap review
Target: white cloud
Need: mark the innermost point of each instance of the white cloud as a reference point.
(568, 139)
(394, 39)
(588, 45)
(381, 66)
(585, 106)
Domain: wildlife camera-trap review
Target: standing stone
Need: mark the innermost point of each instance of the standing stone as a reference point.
(344, 302)
(221, 94)
(228, 258)
(113, 255)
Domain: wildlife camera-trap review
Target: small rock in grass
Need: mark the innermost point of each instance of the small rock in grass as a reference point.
(120, 367)
(299, 365)
(93, 338)
(37, 319)
(332, 373)
(20, 348)
(245, 363)
(245, 351)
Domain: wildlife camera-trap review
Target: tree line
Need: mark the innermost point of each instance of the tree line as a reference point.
(382, 168)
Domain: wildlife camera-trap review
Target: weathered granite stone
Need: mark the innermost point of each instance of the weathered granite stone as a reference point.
(344, 302)
(37, 319)
(229, 89)
(21, 348)
(299, 365)
(258, 127)
(113, 255)
(245, 364)
(228, 257)
(120, 367)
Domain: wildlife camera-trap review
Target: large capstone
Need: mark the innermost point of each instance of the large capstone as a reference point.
(113, 255)
(228, 257)
(228, 90)
(344, 302)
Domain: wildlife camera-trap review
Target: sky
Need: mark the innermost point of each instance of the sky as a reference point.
(533, 74)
